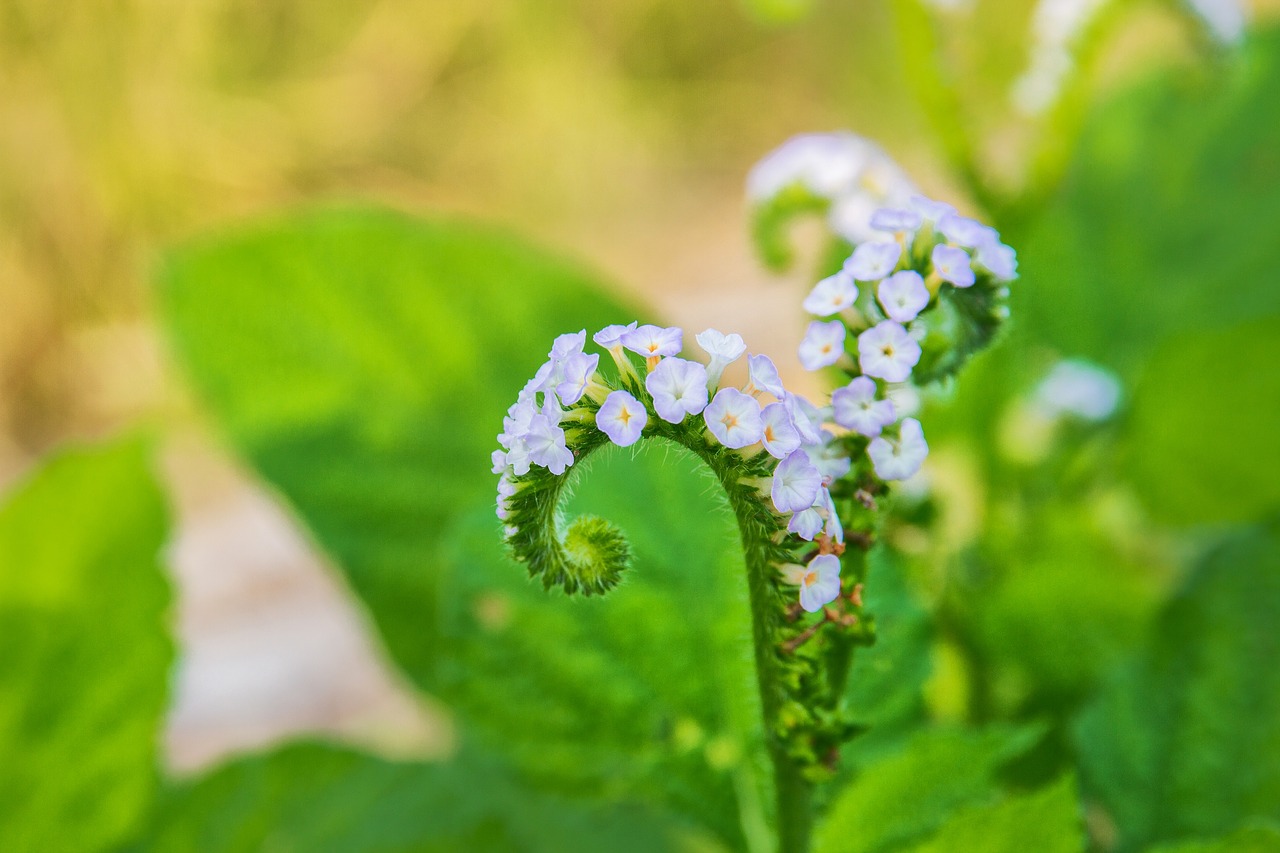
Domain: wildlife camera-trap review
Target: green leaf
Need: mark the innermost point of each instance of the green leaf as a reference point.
(1165, 221)
(1047, 821)
(646, 691)
(85, 647)
(315, 797)
(1251, 839)
(903, 798)
(1201, 441)
(1185, 741)
(362, 360)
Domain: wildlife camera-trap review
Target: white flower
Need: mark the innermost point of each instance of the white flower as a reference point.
(952, 265)
(579, 367)
(499, 458)
(734, 418)
(903, 296)
(516, 423)
(871, 261)
(823, 344)
(828, 456)
(856, 407)
(831, 295)
(724, 351)
(763, 376)
(930, 210)
(901, 458)
(998, 259)
(795, 483)
(1078, 388)
(895, 221)
(678, 388)
(819, 581)
(518, 457)
(826, 164)
(546, 445)
(818, 518)
(568, 344)
(806, 417)
(780, 434)
(654, 341)
(966, 232)
(887, 352)
(611, 336)
(622, 418)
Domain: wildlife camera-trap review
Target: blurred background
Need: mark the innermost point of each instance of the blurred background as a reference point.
(620, 133)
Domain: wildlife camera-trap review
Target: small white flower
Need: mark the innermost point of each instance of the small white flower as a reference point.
(518, 457)
(654, 341)
(819, 581)
(724, 351)
(828, 456)
(826, 164)
(795, 483)
(611, 336)
(903, 296)
(952, 265)
(886, 351)
(895, 221)
(622, 418)
(823, 344)
(930, 210)
(856, 407)
(806, 417)
(763, 375)
(901, 458)
(579, 367)
(831, 295)
(499, 458)
(1078, 388)
(568, 344)
(966, 232)
(998, 259)
(734, 418)
(780, 434)
(819, 518)
(871, 261)
(516, 424)
(678, 388)
(546, 443)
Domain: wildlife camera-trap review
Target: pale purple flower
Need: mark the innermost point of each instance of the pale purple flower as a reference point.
(654, 341)
(828, 456)
(819, 581)
(831, 295)
(900, 458)
(806, 417)
(579, 368)
(952, 265)
(516, 424)
(823, 344)
(780, 434)
(893, 220)
(568, 344)
(886, 351)
(903, 296)
(966, 232)
(724, 351)
(1080, 389)
(502, 512)
(622, 418)
(611, 336)
(518, 457)
(678, 388)
(871, 261)
(546, 443)
(796, 483)
(998, 259)
(855, 407)
(807, 523)
(763, 375)
(499, 458)
(930, 210)
(734, 418)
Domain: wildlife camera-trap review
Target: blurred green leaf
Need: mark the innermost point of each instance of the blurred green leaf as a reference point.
(362, 360)
(1251, 839)
(903, 798)
(85, 648)
(648, 690)
(1202, 435)
(1165, 222)
(314, 797)
(1047, 821)
(1185, 741)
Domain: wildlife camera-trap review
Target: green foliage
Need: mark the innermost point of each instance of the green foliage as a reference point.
(362, 361)
(1199, 462)
(1047, 821)
(1185, 742)
(1251, 839)
(314, 797)
(905, 797)
(85, 650)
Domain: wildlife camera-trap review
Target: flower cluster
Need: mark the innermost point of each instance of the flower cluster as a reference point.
(893, 305)
(656, 391)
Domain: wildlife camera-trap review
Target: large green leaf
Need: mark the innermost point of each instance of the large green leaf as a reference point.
(1206, 416)
(84, 650)
(903, 798)
(647, 690)
(314, 797)
(1046, 821)
(1185, 742)
(362, 361)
